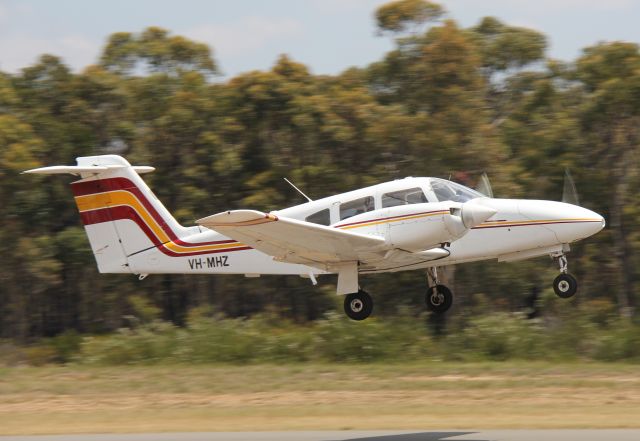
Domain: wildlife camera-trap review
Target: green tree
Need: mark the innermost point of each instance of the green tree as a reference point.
(610, 117)
(407, 15)
(155, 51)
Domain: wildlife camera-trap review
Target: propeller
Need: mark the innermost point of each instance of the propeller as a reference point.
(484, 185)
(569, 193)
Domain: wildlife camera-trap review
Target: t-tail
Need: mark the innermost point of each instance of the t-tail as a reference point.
(120, 213)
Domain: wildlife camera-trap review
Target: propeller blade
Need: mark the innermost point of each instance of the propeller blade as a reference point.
(569, 192)
(484, 185)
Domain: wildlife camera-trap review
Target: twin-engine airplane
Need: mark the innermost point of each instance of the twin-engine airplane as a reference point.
(407, 224)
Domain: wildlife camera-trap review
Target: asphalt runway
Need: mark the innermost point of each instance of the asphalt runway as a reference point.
(378, 435)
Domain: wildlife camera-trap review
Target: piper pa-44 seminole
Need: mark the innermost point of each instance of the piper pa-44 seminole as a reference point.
(406, 224)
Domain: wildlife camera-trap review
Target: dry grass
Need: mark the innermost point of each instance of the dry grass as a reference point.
(267, 397)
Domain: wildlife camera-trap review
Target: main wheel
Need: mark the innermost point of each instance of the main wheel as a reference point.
(565, 286)
(439, 299)
(358, 306)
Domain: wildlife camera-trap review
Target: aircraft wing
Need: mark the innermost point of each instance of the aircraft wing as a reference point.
(295, 241)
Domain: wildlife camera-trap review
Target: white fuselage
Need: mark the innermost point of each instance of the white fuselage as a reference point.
(519, 229)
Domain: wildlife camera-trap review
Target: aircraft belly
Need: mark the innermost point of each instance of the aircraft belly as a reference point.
(481, 244)
(492, 242)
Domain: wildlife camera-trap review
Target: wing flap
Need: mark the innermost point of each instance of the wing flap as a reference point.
(292, 240)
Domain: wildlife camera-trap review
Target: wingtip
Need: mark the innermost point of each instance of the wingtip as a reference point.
(31, 171)
(236, 218)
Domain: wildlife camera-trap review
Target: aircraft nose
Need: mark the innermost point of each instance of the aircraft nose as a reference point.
(569, 222)
(584, 222)
(595, 221)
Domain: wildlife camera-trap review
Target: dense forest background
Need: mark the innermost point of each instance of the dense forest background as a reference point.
(447, 101)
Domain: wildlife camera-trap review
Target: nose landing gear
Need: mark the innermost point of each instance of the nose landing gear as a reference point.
(438, 298)
(565, 285)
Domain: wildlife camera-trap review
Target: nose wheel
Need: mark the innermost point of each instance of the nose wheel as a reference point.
(565, 285)
(358, 305)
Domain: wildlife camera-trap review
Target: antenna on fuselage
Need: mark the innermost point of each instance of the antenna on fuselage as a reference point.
(298, 190)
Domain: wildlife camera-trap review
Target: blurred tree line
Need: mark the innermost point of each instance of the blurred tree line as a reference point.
(447, 101)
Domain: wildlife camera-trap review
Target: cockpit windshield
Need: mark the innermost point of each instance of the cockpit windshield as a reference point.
(450, 191)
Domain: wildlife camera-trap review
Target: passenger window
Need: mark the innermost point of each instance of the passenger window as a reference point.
(322, 217)
(403, 197)
(353, 208)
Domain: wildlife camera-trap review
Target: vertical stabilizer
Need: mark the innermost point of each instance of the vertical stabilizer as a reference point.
(120, 213)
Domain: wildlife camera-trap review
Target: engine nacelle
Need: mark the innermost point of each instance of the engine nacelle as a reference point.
(423, 226)
(420, 226)
(465, 216)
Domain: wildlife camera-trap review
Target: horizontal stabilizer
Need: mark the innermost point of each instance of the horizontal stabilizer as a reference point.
(83, 169)
(62, 169)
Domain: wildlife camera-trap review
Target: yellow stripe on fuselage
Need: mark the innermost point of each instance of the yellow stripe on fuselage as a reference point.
(121, 197)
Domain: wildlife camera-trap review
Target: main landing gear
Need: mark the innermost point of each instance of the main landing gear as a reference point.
(438, 298)
(565, 285)
(358, 305)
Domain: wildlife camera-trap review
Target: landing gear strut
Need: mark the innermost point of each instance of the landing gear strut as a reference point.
(565, 285)
(358, 306)
(438, 298)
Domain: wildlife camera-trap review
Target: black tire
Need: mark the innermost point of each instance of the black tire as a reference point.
(358, 306)
(565, 286)
(439, 299)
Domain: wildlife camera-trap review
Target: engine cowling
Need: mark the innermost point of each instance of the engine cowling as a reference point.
(431, 225)
(465, 216)
(417, 227)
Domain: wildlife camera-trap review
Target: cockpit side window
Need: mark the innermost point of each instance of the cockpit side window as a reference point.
(403, 197)
(450, 191)
(321, 217)
(358, 206)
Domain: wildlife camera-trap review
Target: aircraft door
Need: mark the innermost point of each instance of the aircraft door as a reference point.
(383, 227)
